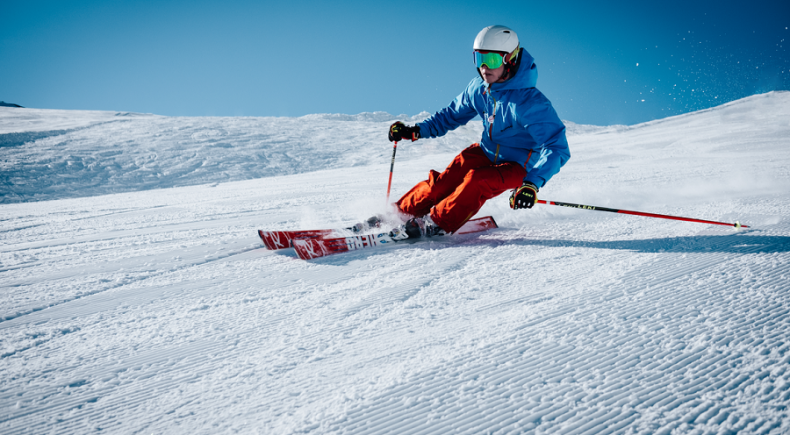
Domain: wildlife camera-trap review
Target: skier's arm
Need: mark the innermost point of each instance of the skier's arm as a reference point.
(548, 132)
(554, 152)
(458, 113)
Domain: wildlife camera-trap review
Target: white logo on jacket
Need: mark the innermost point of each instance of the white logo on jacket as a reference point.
(544, 156)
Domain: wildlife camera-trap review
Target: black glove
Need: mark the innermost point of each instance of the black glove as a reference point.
(400, 131)
(524, 197)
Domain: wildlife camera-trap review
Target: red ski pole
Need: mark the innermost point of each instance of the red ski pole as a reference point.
(639, 213)
(392, 166)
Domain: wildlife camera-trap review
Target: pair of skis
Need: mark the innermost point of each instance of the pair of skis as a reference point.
(310, 244)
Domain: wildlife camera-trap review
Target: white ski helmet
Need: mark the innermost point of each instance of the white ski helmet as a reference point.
(496, 38)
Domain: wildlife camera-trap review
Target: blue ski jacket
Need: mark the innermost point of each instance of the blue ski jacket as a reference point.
(520, 123)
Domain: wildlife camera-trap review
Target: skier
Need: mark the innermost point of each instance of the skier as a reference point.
(522, 147)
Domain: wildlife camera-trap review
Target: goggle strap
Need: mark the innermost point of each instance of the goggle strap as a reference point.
(514, 55)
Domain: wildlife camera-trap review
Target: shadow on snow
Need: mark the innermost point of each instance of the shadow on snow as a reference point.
(734, 244)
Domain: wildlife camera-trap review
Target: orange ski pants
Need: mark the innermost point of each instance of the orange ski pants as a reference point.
(458, 193)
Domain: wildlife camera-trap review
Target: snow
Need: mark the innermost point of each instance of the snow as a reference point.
(136, 297)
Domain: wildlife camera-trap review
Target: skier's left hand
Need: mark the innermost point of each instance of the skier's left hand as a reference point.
(524, 197)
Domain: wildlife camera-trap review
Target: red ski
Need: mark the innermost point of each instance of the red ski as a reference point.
(310, 248)
(282, 239)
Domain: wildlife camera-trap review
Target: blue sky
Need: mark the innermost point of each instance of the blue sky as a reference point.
(615, 62)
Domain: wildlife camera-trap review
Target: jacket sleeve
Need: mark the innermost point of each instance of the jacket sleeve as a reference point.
(553, 154)
(548, 132)
(458, 113)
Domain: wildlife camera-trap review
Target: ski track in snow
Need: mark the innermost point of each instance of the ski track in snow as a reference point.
(157, 310)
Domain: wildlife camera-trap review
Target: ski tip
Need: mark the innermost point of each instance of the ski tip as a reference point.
(301, 250)
(271, 243)
(263, 239)
(308, 249)
(477, 225)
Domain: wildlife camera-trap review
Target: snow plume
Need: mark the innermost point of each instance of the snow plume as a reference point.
(156, 309)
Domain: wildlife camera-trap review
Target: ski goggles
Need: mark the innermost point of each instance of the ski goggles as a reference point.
(491, 59)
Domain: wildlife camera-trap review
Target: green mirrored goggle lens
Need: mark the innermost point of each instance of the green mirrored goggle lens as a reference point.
(491, 59)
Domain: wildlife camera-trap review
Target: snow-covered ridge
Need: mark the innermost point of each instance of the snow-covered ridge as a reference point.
(51, 154)
(366, 117)
(772, 104)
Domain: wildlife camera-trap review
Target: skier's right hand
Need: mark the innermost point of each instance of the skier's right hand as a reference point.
(400, 131)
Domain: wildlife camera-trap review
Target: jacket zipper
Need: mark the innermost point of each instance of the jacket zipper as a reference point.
(491, 124)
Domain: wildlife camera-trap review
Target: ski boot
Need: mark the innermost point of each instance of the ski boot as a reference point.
(373, 222)
(416, 228)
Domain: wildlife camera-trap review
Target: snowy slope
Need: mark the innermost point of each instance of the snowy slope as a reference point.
(156, 310)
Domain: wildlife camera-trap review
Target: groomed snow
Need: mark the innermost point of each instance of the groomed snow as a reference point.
(137, 298)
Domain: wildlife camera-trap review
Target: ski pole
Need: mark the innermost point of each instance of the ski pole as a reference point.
(639, 213)
(392, 166)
